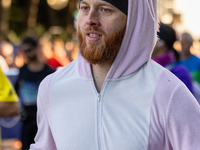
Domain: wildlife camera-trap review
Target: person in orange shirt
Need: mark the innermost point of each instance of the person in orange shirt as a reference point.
(59, 58)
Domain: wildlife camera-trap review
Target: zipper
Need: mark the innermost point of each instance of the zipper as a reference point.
(98, 121)
(99, 114)
(98, 97)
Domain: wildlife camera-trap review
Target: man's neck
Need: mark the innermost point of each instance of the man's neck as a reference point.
(185, 56)
(36, 66)
(99, 72)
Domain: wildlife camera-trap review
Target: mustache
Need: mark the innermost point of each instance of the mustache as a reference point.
(94, 28)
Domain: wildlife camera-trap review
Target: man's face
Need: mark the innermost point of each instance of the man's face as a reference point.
(29, 52)
(101, 27)
(185, 44)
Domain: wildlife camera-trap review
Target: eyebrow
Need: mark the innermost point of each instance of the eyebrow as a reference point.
(102, 3)
(83, 2)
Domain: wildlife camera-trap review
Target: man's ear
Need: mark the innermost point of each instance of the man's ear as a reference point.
(163, 46)
(161, 43)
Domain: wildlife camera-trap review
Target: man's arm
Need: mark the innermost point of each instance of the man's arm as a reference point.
(44, 139)
(183, 123)
(9, 109)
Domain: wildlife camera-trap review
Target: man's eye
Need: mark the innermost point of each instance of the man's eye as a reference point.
(84, 8)
(105, 10)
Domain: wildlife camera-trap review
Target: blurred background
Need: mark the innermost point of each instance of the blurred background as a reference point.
(41, 17)
(45, 19)
(183, 16)
(49, 19)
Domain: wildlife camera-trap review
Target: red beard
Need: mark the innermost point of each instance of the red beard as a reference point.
(95, 53)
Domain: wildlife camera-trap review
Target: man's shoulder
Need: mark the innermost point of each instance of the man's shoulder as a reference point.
(69, 67)
(194, 60)
(164, 77)
(194, 57)
(169, 87)
(66, 71)
(24, 68)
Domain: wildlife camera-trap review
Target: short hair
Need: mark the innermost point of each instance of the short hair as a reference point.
(188, 37)
(167, 34)
(32, 41)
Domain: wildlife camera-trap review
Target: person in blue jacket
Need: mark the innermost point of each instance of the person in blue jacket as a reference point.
(165, 54)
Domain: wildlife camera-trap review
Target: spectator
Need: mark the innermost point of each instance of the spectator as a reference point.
(46, 48)
(190, 61)
(30, 76)
(8, 99)
(7, 50)
(3, 64)
(166, 55)
(59, 58)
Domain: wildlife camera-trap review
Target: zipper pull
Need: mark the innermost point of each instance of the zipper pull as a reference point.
(98, 97)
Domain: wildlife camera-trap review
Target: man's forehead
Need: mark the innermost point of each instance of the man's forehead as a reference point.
(120, 4)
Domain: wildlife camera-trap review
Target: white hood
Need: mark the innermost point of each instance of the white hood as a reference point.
(138, 43)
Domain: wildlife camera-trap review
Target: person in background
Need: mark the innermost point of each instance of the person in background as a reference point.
(8, 98)
(7, 51)
(9, 105)
(30, 76)
(46, 48)
(3, 64)
(190, 61)
(59, 58)
(166, 55)
(114, 97)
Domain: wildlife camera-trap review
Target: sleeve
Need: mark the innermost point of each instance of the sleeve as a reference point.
(7, 92)
(183, 120)
(44, 139)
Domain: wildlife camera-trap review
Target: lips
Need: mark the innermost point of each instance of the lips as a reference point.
(93, 36)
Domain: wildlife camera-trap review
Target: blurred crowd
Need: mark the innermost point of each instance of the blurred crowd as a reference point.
(54, 52)
(27, 64)
(182, 63)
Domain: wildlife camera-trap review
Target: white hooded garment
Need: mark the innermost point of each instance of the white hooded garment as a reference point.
(141, 106)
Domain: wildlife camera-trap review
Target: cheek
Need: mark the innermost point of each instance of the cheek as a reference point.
(80, 21)
(123, 22)
(116, 24)
(80, 28)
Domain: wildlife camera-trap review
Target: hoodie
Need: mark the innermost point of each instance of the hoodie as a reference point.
(141, 106)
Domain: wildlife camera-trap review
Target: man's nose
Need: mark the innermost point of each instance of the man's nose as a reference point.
(93, 18)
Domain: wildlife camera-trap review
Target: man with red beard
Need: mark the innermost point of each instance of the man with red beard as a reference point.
(114, 97)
